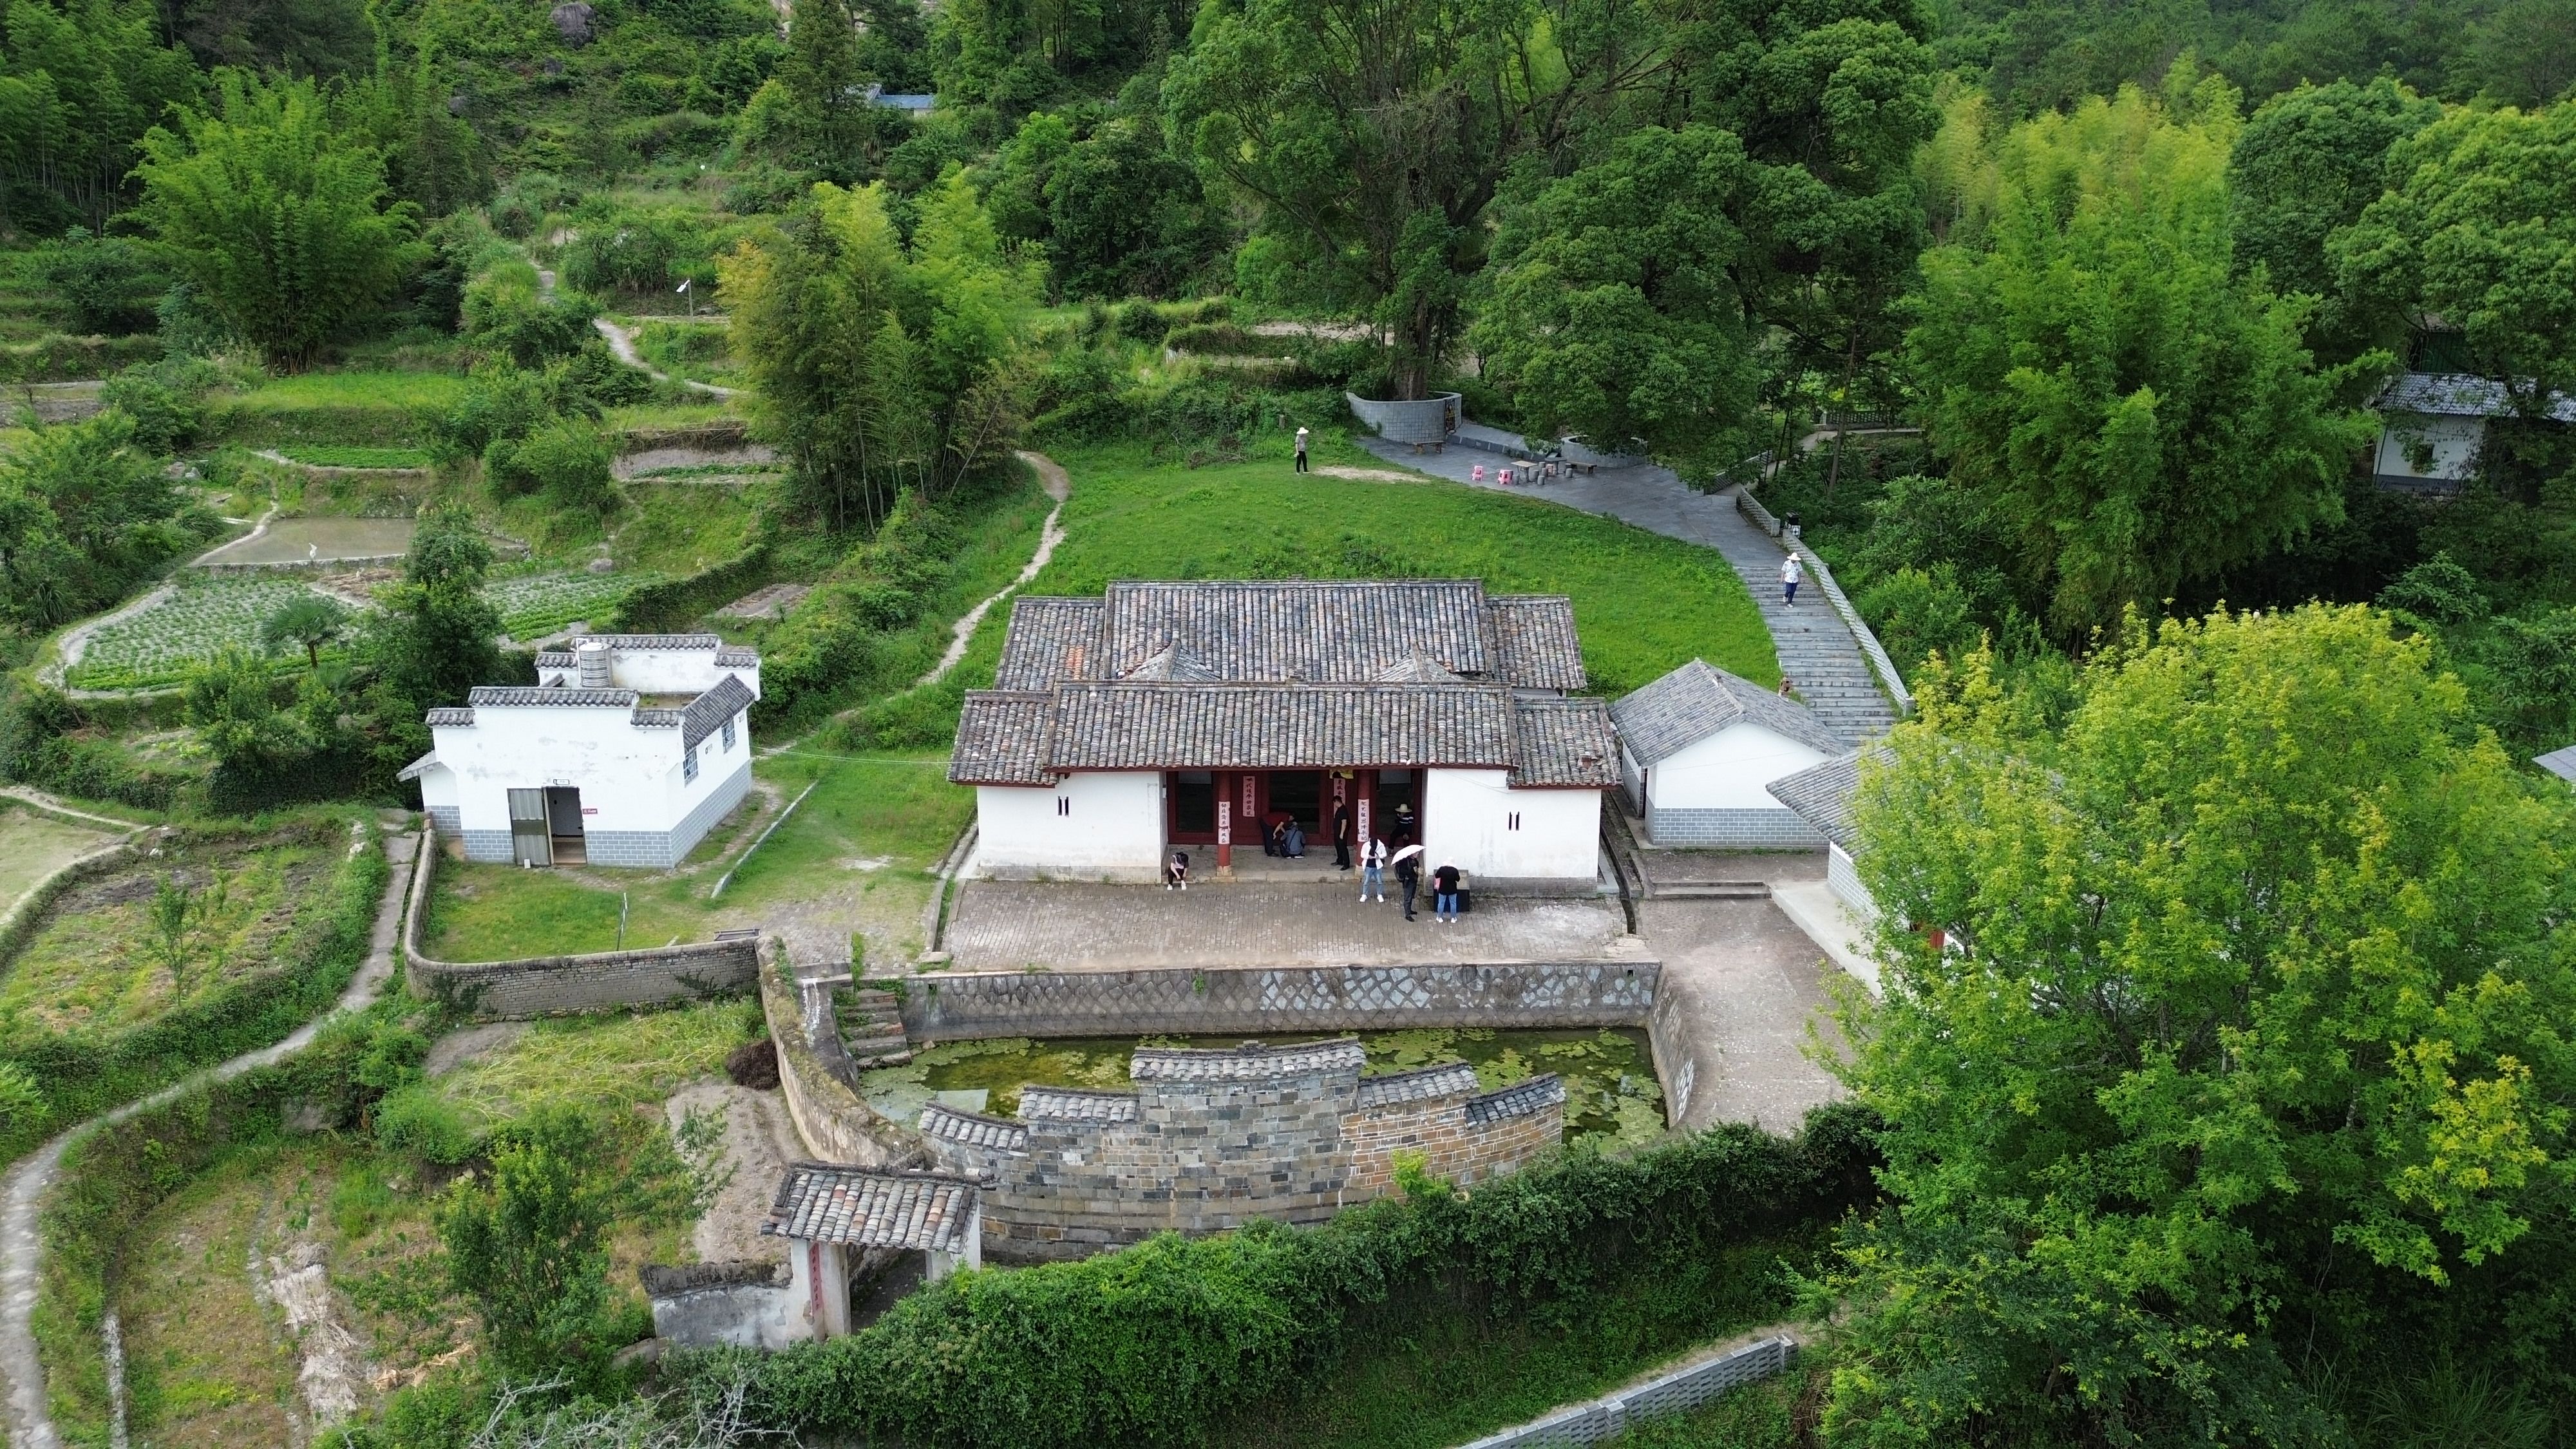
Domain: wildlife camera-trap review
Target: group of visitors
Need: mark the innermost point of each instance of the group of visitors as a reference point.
(1285, 836)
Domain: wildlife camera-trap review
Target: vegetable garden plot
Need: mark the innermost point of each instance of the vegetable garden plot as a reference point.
(166, 643)
(536, 604)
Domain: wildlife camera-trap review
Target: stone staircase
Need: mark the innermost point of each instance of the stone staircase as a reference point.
(1817, 652)
(872, 1028)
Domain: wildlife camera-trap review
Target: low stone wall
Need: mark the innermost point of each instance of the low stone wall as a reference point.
(1425, 421)
(956, 1006)
(556, 985)
(1211, 1140)
(1737, 829)
(833, 1123)
(723, 1305)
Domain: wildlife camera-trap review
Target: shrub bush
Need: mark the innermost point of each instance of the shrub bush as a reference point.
(1221, 339)
(1153, 1344)
(166, 400)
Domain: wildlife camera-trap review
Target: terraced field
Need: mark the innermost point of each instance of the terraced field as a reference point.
(166, 643)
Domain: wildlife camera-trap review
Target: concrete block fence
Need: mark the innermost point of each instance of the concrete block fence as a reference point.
(556, 985)
(1677, 1392)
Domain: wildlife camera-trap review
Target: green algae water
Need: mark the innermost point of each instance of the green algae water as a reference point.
(1611, 1096)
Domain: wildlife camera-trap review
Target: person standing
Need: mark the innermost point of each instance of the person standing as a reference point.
(1373, 871)
(1408, 875)
(1444, 898)
(1341, 835)
(1301, 450)
(1791, 569)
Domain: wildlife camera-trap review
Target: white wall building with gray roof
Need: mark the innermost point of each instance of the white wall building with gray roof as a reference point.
(625, 753)
(1196, 715)
(1698, 750)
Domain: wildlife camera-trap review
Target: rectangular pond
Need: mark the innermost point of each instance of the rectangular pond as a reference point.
(293, 540)
(1611, 1095)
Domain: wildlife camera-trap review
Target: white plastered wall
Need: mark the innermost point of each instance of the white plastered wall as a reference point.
(438, 788)
(1468, 820)
(1109, 826)
(662, 671)
(2453, 441)
(629, 777)
(1727, 771)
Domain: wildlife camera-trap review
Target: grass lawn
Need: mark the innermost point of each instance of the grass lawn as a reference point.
(1643, 602)
(681, 528)
(376, 389)
(614, 1060)
(98, 960)
(374, 409)
(34, 845)
(1429, 1375)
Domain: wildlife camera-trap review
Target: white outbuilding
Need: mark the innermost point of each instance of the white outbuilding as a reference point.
(1203, 716)
(1698, 750)
(2433, 425)
(628, 749)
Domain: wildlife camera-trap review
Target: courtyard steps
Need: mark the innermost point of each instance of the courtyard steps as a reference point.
(872, 1028)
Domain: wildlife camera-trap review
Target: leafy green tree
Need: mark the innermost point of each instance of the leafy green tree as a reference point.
(505, 310)
(566, 460)
(2522, 53)
(825, 106)
(1616, 309)
(433, 640)
(526, 1247)
(2305, 165)
(276, 215)
(2224, 1028)
(1125, 217)
(106, 285)
(85, 514)
(880, 369)
(79, 85)
(232, 705)
(2477, 229)
(308, 621)
(2137, 415)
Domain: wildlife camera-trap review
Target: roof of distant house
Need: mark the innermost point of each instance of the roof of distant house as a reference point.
(2561, 763)
(1822, 796)
(2460, 395)
(1698, 700)
(874, 1207)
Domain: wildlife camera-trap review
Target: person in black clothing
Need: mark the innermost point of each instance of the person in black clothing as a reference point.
(1444, 897)
(1341, 835)
(1408, 874)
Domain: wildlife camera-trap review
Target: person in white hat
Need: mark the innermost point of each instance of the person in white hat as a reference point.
(1792, 569)
(1301, 450)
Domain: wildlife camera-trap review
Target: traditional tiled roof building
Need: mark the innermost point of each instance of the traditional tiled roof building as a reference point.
(1204, 714)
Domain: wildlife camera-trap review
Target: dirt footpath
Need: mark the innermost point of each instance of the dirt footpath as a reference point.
(757, 1145)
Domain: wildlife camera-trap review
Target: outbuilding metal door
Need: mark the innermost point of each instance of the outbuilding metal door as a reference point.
(530, 841)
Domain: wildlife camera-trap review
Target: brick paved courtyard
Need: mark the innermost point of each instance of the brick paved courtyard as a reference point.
(1006, 925)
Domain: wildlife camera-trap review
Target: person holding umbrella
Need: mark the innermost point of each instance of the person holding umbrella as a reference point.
(1408, 874)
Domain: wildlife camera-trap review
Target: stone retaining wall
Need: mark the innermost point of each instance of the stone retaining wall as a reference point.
(1425, 421)
(831, 1121)
(1275, 1000)
(554, 985)
(1293, 1134)
(1731, 829)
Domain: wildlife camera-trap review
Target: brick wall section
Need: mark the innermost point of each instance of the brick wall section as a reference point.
(956, 1006)
(1297, 1145)
(1733, 829)
(554, 985)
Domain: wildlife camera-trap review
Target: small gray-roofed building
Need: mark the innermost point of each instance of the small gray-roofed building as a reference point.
(1169, 715)
(2433, 425)
(2561, 763)
(1697, 749)
(825, 1209)
(1520, 1099)
(1823, 796)
(626, 752)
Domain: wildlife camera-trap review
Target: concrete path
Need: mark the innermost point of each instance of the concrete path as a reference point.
(1818, 654)
(1010, 925)
(30, 795)
(30, 1424)
(1745, 983)
(1052, 477)
(622, 342)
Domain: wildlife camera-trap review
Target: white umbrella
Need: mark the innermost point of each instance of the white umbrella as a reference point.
(1404, 854)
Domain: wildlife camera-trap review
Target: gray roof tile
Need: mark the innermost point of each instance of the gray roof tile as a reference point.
(1534, 634)
(2459, 395)
(1049, 639)
(707, 713)
(1448, 1079)
(518, 695)
(1229, 726)
(974, 1129)
(1699, 699)
(1520, 1099)
(1071, 1104)
(1250, 1062)
(1272, 631)
(1564, 743)
(873, 1207)
(1002, 739)
(451, 715)
(1822, 796)
(2561, 763)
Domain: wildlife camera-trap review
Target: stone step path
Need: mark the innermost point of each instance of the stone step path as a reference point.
(872, 1028)
(1817, 652)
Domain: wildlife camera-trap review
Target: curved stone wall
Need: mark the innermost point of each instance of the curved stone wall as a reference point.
(1429, 420)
